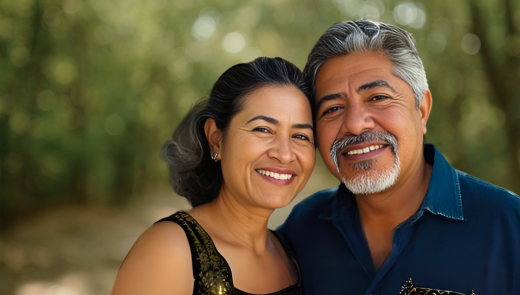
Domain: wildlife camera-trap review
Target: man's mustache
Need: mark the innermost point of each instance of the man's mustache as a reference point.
(367, 136)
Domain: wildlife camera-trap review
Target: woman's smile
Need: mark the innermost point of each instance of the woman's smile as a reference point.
(276, 176)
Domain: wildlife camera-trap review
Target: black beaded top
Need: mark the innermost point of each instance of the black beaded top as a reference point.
(211, 271)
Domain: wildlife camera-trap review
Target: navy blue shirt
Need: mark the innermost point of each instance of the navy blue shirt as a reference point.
(464, 237)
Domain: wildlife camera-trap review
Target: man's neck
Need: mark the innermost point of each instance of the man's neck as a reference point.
(399, 202)
(381, 213)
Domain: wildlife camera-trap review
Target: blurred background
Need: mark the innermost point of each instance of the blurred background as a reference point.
(90, 89)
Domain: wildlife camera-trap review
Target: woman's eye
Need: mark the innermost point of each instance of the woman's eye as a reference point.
(261, 129)
(302, 137)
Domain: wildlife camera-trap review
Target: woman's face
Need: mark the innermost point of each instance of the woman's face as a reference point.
(268, 152)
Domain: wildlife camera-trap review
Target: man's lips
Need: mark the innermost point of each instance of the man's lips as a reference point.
(364, 151)
(363, 148)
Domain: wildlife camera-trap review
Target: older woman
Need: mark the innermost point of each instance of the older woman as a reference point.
(236, 157)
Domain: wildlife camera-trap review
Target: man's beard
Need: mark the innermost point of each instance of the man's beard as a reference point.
(368, 181)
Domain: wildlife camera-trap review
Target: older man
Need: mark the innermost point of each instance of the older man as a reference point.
(403, 221)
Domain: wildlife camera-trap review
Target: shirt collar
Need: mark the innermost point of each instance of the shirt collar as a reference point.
(443, 197)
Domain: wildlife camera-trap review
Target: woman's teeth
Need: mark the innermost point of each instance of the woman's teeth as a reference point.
(365, 150)
(275, 175)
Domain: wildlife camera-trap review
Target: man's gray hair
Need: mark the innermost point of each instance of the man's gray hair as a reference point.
(369, 36)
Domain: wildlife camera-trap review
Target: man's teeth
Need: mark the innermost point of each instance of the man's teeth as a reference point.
(365, 150)
(275, 175)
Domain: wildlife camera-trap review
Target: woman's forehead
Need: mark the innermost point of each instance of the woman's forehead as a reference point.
(277, 101)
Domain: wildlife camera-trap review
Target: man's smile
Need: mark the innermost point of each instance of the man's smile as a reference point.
(364, 152)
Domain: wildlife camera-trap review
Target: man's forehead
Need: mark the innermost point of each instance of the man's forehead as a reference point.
(353, 69)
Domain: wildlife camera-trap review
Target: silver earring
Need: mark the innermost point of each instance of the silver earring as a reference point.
(214, 157)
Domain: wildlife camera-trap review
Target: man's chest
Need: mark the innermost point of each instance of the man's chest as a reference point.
(437, 259)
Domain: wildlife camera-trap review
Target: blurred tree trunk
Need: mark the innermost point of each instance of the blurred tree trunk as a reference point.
(76, 93)
(503, 79)
(22, 92)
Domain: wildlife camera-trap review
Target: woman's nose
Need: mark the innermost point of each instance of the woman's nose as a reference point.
(282, 150)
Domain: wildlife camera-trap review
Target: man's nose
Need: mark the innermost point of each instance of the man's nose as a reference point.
(357, 119)
(282, 150)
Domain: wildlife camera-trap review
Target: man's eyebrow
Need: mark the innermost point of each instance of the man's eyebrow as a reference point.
(374, 84)
(265, 118)
(329, 97)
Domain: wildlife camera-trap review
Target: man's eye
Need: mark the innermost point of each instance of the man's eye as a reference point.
(332, 110)
(379, 97)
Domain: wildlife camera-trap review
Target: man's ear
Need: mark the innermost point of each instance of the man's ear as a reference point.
(425, 108)
(214, 136)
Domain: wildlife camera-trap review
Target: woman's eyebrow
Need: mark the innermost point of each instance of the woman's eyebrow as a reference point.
(302, 126)
(276, 122)
(265, 118)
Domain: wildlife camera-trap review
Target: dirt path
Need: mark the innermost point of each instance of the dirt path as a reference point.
(78, 250)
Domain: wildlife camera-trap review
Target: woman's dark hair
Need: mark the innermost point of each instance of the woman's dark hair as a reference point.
(193, 174)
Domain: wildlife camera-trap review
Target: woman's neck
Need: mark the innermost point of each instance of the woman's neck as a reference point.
(228, 220)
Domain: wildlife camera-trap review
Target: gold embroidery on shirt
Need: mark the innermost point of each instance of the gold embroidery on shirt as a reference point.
(410, 288)
(215, 275)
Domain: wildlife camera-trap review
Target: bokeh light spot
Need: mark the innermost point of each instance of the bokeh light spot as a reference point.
(72, 6)
(405, 13)
(436, 43)
(349, 7)
(20, 56)
(19, 122)
(369, 12)
(470, 43)
(181, 68)
(204, 27)
(234, 42)
(46, 100)
(372, 10)
(420, 18)
(64, 71)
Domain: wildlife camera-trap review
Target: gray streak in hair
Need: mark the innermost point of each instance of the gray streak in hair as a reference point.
(369, 36)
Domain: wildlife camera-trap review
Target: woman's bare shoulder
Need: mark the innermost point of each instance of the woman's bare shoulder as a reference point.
(158, 263)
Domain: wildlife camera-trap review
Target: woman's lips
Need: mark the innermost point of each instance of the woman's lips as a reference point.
(276, 176)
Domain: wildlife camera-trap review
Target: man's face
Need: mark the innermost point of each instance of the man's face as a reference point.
(369, 130)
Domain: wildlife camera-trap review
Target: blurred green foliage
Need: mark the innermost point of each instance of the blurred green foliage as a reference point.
(90, 89)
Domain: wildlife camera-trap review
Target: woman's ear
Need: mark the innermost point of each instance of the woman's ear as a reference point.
(214, 136)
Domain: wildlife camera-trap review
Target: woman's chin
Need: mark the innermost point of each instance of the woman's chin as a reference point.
(274, 202)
